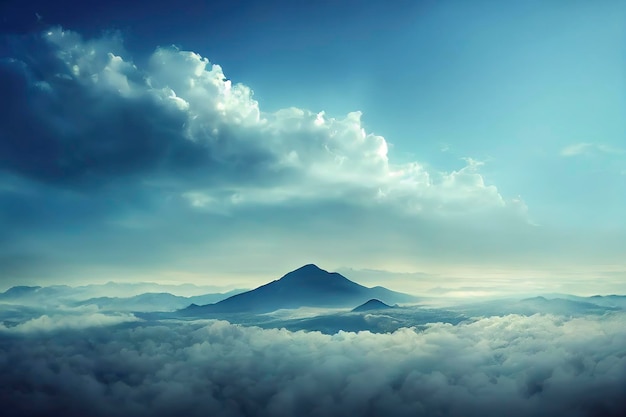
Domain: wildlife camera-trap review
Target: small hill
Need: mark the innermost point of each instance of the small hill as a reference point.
(371, 305)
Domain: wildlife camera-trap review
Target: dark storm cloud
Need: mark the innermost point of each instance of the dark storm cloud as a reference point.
(57, 128)
(514, 366)
(76, 115)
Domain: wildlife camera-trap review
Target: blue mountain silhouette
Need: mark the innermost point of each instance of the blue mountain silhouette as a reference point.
(372, 305)
(308, 286)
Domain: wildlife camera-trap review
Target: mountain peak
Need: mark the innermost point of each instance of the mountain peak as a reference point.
(373, 304)
(308, 273)
(307, 286)
(20, 290)
(309, 268)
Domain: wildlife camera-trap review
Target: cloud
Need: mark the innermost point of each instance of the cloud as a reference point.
(576, 149)
(586, 148)
(76, 119)
(517, 366)
(68, 321)
(99, 155)
(82, 115)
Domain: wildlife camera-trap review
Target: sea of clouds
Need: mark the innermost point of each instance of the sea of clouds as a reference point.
(540, 365)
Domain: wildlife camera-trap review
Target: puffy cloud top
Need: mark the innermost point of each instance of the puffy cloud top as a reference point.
(99, 155)
(85, 115)
(514, 366)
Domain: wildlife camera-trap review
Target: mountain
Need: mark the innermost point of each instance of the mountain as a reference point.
(557, 306)
(34, 296)
(308, 286)
(18, 292)
(618, 301)
(112, 295)
(535, 305)
(371, 305)
(154, 301)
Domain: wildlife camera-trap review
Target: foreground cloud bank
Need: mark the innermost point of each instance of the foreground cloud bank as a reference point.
(515, 366)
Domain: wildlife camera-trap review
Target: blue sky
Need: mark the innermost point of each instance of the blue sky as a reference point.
(491, 138)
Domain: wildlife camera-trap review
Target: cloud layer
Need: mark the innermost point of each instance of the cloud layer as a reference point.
(517, 366)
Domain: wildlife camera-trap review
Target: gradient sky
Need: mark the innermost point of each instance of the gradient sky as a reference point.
(490, 146)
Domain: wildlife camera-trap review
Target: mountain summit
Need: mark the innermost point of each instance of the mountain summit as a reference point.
(371, 305)
(307, 286)
(312, 278)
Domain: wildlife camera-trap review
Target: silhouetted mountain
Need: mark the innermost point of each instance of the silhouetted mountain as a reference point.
(557, 306)
(112, 294)
(371, 305)
(618, 301)
(535, 305)
(308, 286)
(18, 292)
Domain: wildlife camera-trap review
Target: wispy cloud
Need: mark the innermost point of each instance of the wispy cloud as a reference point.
(587, 148)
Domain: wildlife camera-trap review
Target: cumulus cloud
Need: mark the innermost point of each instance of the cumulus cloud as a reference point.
(99, 155)
(515, 366)
(83, 114)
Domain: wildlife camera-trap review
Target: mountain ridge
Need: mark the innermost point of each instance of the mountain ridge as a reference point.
(307, 286)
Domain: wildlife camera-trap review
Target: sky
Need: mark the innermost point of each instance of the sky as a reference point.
(226, 143)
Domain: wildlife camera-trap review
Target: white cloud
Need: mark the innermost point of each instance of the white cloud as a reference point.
(176, 154)
(514, 366)
(576, 149)
(587, 148)
(69, 320)
(250, 156)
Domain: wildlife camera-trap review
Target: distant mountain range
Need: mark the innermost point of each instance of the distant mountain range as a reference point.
(570, 306)
(110, 289)
(148, 302)
(123, 298)
(308, 286)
